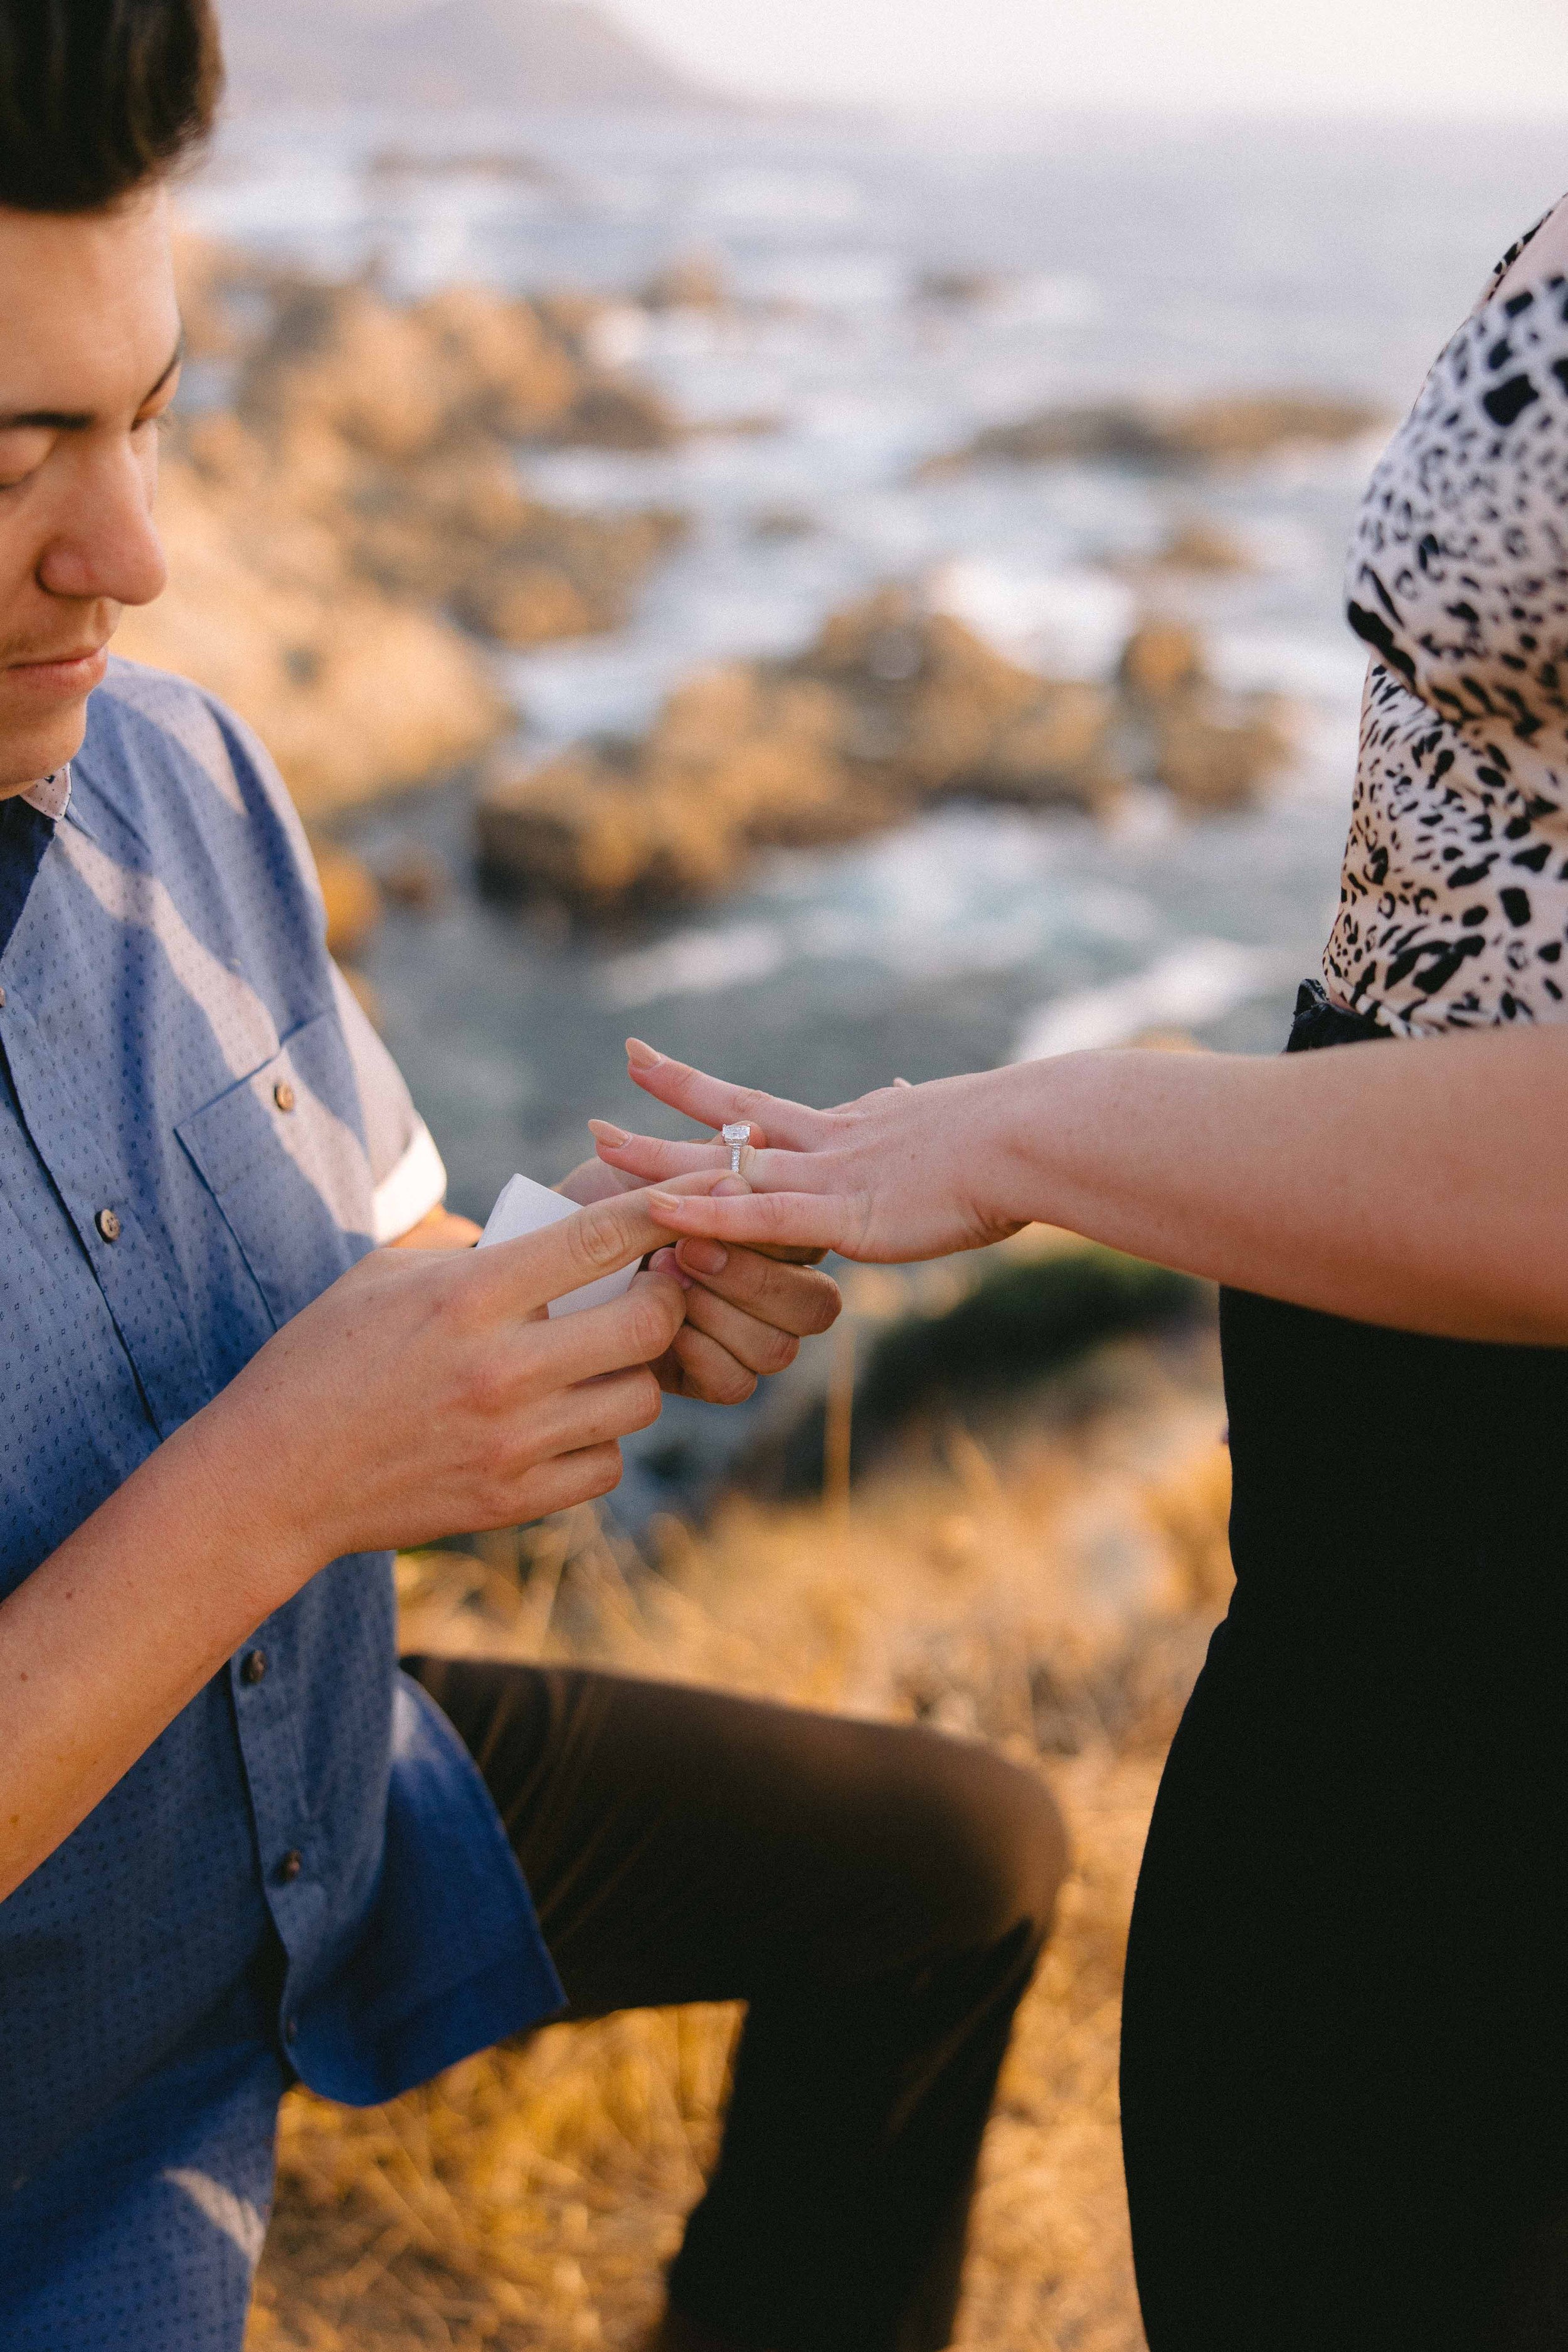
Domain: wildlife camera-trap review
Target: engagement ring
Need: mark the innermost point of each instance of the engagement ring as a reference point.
(737, 1138)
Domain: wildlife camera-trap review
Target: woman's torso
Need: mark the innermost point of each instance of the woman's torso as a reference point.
(1453, 900)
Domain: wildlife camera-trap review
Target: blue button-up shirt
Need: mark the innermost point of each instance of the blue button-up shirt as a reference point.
(198, 1132)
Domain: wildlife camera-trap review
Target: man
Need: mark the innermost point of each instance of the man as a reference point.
(236, 1847)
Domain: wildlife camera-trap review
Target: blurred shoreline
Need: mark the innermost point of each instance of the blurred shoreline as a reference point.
(864, 297)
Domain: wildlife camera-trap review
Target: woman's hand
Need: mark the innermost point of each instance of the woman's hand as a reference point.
(746, 1313)
(902, 1173)
(1415, 1182)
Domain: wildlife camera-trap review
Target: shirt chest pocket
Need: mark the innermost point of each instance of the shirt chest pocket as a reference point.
(283, 1159)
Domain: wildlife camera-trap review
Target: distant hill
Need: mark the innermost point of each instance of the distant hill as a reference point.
(443, 53)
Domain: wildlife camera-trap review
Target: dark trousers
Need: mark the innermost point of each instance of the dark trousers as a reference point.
(876, 1894)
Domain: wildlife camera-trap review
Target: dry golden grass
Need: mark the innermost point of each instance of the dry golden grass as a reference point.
(1053, 1594)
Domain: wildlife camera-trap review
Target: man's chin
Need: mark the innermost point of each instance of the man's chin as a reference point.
(31, 748)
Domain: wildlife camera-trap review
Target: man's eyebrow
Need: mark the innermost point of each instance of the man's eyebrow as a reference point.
(79, 420)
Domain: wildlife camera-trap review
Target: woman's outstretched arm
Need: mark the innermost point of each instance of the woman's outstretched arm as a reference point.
(1423, 1185)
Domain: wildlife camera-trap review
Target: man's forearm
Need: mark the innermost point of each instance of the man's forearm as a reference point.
(1422, 1184)
(104, 1643)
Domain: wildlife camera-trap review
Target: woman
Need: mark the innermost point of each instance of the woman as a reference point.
(1345, 2058)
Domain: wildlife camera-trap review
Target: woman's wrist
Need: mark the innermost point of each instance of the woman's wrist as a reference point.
(1021, 1115)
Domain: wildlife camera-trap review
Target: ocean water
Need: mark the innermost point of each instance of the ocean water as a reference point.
(1128, 258)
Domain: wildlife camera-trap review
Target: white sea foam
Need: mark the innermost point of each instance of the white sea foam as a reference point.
(1069, 622)
(1195, 983)
(695, 963)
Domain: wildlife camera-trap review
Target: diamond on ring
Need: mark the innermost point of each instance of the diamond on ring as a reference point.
(737, 1137)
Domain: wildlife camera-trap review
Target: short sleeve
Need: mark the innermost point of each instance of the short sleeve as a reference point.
(405, 1169)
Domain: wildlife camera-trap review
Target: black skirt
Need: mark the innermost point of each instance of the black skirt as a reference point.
(1346, 2037)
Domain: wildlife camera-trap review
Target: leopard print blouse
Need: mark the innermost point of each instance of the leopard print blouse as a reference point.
(1453, 896)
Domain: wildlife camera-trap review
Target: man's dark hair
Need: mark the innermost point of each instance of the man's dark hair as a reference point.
(98, 97)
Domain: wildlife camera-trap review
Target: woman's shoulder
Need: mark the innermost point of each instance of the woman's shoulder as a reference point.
(1457, 573)
(1541, 251)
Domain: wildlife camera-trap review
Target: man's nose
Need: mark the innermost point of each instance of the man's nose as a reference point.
(104, 544)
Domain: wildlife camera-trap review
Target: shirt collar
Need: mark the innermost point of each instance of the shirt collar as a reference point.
(51, 794)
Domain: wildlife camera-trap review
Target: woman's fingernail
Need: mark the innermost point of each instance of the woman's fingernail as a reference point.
(704, 1258)
(664, 1203)
(641, 1057)
(602, 1130)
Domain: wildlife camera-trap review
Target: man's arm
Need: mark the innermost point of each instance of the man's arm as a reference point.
(421, 1393)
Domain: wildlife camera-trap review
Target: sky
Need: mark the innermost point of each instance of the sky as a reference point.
(1422, 57)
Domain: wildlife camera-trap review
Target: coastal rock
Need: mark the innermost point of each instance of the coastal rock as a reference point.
(335, 530)
(354, 692)
(1211, 750)
(1162, 658)
(352, 898)
(1217, 751)
(737, 757)
(461, 530)
(1234, 428)
(959, 288)
(611, 413)
(693, 281)
(892, 706)
(1197, 544)
(402, 384)
(933, 708)
(512, 375)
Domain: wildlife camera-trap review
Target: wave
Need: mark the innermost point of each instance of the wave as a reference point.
(1198, 981)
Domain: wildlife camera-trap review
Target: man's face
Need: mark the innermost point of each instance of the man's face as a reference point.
(89, 361)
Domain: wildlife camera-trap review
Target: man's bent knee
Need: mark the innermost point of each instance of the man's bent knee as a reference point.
(983, 1840)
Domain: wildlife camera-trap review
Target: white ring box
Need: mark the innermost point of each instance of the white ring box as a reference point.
(525, 1207)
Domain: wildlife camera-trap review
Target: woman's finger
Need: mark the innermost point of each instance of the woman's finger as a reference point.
(695, 1166)
(714, 1103)
(818, 1219)
(650, 1158)
(793, 1299)
(710, 1371)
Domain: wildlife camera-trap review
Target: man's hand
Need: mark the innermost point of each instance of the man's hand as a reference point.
(746, 1314)
(439, 1229)
(420, 1395)
(427, 1390)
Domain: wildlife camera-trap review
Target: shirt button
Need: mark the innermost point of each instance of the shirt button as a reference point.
(283, 1095)
(292, 1863)
(253, 1666)
(108, 1224)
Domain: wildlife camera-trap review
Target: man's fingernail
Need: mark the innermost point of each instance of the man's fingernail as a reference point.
(704, 1258)
(641, 1057)
(665, 1261)
(602, 1130)
(728, 1186)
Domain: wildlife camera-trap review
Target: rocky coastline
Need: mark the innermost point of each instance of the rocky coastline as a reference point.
(346, 523)
(895, 705)
(352, 538)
